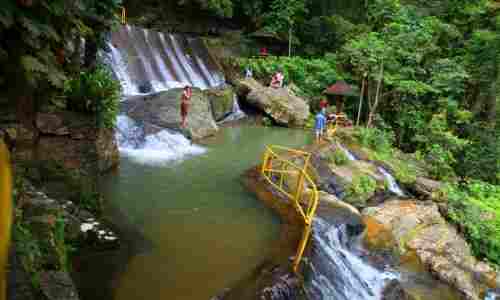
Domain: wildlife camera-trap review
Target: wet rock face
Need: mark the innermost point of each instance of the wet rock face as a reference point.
(425, 187)
(221, 101)
(65, 150)
(416, 229)
(163, 110)
(282, 105)
(394, 291)
(283, 285)
(57, 286)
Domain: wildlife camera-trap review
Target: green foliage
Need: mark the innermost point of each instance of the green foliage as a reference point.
(33, 35)
(338, 157)
(283, 14)
(376, 139)
(310, 75)
(361, 188)
(475, 208)
(28, 249)
(95, 91)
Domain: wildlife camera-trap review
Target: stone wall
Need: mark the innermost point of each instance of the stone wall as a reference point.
(61, 150)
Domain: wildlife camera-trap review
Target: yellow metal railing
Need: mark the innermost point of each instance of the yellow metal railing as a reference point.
(280, 169)
(123, 15)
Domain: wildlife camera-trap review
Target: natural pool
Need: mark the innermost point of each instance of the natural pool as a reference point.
(203, 229)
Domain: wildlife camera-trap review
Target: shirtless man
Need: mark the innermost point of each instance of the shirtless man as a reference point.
(185, 103)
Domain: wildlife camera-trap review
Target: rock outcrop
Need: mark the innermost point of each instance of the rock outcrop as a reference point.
(63, 149)
(283, 106)
(418, 231)
(221, 101)
(163, 109)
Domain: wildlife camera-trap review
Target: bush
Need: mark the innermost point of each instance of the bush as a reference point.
(376, 139)
(475, 207)
(361, 189)
(338, 157)
(312, 76)
(95, 91)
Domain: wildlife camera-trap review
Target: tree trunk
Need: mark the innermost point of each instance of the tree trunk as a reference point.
(492, 104)
(90, 53)
(377, 95)
(76, 57)
(361, 99)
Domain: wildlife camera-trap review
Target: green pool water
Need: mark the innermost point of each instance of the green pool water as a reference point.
(206, 232)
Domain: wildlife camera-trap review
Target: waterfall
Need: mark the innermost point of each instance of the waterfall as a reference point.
(336, 272)
(147, 61)
(393, 184)
(348, 153)
(154, 149)
(236, 112)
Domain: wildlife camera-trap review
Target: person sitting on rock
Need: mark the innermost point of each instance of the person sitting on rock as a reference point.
(185, 103)
(248, 72)
(277, 80)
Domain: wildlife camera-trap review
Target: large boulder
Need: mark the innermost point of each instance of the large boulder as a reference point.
(163, 109)
(221, 101)
(417, 230)
(282, 105)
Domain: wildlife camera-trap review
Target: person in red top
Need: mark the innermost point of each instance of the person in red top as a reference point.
(323, 104)
(185, 103)
(263, 51)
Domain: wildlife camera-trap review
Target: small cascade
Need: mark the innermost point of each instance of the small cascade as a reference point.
(492, 295)
(336, 272)
(155, 149)
(348, 153)
(393, 185)
(147, 61)
(236, 112)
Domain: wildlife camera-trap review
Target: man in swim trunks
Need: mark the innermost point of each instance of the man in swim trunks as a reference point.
(185, 103)
(319, 126)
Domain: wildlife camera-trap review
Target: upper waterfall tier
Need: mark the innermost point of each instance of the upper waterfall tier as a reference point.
(148, 61)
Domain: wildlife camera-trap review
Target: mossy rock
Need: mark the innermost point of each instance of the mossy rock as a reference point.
(221, 101)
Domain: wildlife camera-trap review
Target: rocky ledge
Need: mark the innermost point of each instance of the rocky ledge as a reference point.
(280, 104)
(418, 232)
(46, 231)
(163, 110)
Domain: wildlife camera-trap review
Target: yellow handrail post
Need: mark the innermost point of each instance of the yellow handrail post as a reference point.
(286, 166)
(124, 15)
(302, 247)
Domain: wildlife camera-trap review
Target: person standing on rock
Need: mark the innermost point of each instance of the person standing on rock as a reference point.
(185, 103)
(319, 126)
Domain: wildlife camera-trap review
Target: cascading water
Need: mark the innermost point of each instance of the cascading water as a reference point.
(236, 112)
(147, 61)
(155, 149)
(393, 185)
(336, 272)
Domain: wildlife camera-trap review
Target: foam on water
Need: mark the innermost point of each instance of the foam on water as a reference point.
(393, 185)
(236, 112)
(337, 272)
(156, 149)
